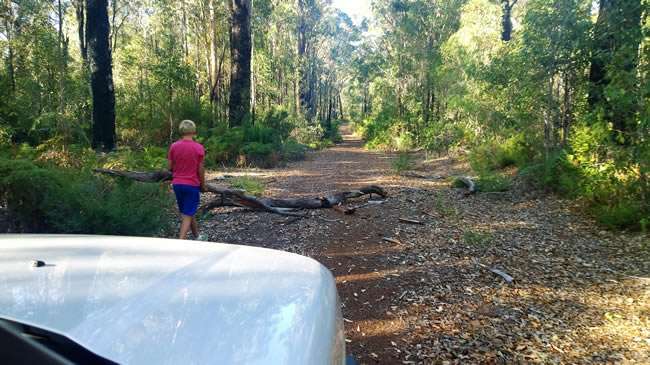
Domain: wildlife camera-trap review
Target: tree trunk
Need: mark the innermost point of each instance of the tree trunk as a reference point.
(81, 28)
(212, 58)
(184, 29)
(304, 85)
(9, 23)
(101, 74)
(253, 96)
(340, 106)
(507, 19)
(113, 27)
(240, 55)
(567, 118)
(61, 61)
(548, 118)
(329, 111)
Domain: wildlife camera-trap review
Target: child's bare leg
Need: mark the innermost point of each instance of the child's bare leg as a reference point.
(195, 227)
(185, 226)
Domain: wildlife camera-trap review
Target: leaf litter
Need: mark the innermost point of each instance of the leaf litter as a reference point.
(414, 293)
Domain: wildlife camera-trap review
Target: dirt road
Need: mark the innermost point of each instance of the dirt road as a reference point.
(425, 293)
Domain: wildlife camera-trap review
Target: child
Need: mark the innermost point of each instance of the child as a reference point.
(185, 161)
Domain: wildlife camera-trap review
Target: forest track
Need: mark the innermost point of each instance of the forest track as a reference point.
(414, 293)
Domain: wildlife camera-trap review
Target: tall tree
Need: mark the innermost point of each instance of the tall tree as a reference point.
(101, 75)
(81, 28)
(9, 23)
(240, 62)
(617, 36)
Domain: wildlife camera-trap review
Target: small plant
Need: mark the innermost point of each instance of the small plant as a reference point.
(402, 163)
(492, 183)
(442, 207)
(477, 239)
(252, 186)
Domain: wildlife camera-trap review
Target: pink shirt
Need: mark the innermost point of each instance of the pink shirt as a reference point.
(187, 155)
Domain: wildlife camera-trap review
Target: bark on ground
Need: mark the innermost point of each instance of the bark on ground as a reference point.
(426, 293)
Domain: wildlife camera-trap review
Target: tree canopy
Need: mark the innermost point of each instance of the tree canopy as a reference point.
(558, 87)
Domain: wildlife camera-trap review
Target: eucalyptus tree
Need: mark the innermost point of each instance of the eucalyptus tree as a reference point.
(240, 62)
(101, 73)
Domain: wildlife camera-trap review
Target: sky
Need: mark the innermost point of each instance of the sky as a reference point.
(354, 8)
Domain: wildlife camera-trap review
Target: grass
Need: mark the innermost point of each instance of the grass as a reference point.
(477, 239)
(252, 186)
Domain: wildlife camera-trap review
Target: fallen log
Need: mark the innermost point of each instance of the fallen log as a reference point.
(238, 198)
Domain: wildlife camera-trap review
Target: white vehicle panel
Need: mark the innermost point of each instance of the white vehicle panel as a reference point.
(140, 300)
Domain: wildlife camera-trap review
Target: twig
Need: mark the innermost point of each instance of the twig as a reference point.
(392, 240)
(409, 221)
(505, 276)
(430, 214)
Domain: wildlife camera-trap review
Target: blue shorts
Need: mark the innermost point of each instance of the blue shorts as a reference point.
(187, 197)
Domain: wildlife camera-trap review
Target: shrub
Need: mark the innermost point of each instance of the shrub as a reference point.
(492, 183)
(402, 163)
(558, 173)
(333, 134)
(441, 138)
(292, 150)
(492, 155)
(251, 144)
(278, 120)
(56, 200)
(622, 214)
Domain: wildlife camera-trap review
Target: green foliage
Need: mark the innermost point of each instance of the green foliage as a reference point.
(477, 239)
(623, 214)
(440, 138)
(252, 186)
(56, 200)
(492, 183)
(457, 183)
(278, 120)
(402, 163)
(264, 144)
(332, 134)
(491, 155)
(292, 150)
(558, 173)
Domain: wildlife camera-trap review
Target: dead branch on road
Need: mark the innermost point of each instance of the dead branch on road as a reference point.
(238, 198)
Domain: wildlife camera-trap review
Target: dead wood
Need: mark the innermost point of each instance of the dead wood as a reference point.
(505, 276)
(238, 198)
(409, 221)
(470, 184)
(392, 240)
(344, 210)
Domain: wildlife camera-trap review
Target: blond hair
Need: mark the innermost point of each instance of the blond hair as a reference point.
(187, 127)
